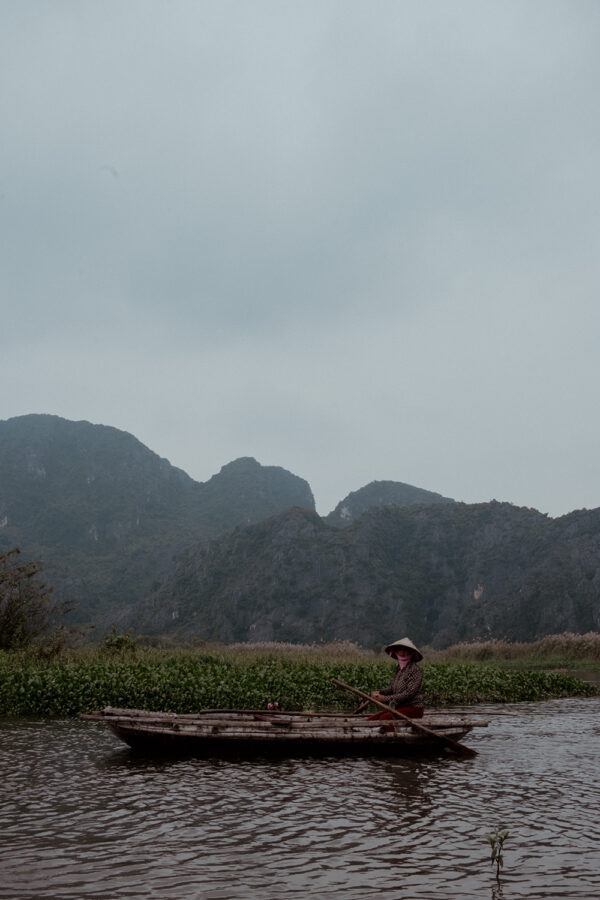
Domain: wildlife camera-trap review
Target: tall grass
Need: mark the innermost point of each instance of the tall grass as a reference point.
(554, 648)
(246, 677)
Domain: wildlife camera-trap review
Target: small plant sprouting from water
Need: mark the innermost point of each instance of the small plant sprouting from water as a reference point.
(496, 842)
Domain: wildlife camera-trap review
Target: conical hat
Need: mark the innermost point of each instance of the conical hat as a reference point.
(405, 642)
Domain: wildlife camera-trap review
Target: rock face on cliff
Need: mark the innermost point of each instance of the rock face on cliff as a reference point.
(106, 514)
(441, 573)
(380, 493)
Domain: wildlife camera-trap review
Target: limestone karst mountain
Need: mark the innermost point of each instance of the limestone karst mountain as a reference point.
(380, 493)
(441, 573)
(106, 514)
(244, 555)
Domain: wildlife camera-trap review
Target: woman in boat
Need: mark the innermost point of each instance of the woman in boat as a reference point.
(405, 693)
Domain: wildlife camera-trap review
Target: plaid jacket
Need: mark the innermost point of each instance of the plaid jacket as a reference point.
(406, 688)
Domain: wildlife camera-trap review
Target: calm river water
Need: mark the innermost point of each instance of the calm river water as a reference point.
(82, 817)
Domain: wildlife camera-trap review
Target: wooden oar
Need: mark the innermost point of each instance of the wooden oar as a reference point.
(458, 748)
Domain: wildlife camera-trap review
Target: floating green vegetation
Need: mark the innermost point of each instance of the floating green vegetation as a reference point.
(185, 681)
(451, 684)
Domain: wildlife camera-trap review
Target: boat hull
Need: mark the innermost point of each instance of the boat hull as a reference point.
(235, 733)
(194, 745)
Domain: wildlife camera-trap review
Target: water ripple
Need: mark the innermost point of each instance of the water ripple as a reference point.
(81, 817)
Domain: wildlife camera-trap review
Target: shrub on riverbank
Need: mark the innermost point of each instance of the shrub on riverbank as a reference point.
(185, 681)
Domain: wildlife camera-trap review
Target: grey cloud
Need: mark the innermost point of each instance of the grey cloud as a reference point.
(335, 230)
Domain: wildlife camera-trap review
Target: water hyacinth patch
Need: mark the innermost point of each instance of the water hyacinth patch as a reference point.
(186, 681)
(469, 683)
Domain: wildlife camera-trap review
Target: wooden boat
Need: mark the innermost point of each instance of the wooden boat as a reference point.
(213, 732)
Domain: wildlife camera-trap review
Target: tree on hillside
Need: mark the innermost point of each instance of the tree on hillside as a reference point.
(27, 610)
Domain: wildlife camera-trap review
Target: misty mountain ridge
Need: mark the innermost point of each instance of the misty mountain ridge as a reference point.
(244, 556)
(106, 514)
(380, 493)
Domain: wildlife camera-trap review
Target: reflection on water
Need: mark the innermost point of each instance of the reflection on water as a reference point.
(82, 817)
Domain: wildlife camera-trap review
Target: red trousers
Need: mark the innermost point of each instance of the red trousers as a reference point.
(414, 712)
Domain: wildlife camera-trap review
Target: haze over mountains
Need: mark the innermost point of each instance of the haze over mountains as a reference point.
(244, 556)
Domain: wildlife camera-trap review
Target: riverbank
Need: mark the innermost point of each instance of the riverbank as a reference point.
(249, 677)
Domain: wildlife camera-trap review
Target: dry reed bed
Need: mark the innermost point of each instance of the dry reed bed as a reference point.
(568, 647)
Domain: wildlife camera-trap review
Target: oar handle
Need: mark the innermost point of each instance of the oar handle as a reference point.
(370, 699)
(460, 748)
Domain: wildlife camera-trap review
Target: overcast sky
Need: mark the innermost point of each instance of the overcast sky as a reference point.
(358, 239)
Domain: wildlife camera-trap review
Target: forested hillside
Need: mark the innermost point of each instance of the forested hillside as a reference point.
(441, 573)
